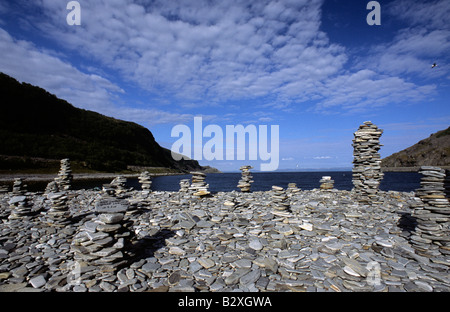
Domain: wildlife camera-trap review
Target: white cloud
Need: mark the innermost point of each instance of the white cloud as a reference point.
(209, 52)
(366, 90)
(322, 157)
(205, 50)
(432, 14)
(424, 40)
(25, 62)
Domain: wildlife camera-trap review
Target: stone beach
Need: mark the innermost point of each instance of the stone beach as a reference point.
(229, 241)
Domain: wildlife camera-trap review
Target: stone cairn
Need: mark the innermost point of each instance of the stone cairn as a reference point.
(108, 190)
(19, 204)
(20, 207)
(100, 241)
(198, 185)
(246, 179)
(52, 187)
(119, 185)
(4, 189)
(432, 233)
(184, 185)
(64, 179)
(292, 187)
(367, 173)
(18, 187)
(59, 210)
(280, 201)
(145, 179)
(326, 183)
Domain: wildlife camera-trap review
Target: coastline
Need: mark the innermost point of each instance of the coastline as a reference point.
(406, 169)
(7, 178)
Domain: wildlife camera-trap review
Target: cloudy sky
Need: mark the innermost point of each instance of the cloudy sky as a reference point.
(314, 68)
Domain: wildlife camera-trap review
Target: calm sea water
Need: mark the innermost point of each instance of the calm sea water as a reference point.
(395, 181)
(225, 182)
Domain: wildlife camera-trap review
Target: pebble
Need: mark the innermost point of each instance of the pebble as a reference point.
(255, 244)
(38, 281)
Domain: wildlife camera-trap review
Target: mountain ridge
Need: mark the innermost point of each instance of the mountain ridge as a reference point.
(432, 151)
(36, 124)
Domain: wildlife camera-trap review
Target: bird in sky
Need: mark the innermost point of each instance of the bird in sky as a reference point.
(434, 65)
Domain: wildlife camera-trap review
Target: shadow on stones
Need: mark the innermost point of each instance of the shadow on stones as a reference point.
(407, 223)
(146, 247)
(81, 217)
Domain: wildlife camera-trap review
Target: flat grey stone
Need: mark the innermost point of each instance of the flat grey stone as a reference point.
(250, 277)
(255, 244)
(38, 281)
(150, 267)
(243, 263)
(206, 263)
(111, 206)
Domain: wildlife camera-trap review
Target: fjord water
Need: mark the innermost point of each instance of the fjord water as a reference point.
(263, 181)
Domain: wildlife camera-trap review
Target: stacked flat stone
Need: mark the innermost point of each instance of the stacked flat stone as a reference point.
(64, 179)
(246, 179)
(145, 179)
(292, 188)
(280, 201)
(52, 187)
(184, 185)
(447, 183)
(198, 185)
(4, 189)
(367, 173)
(19, 206)
(119, 184)
(326, 183)
(18, 187)
(59, 210)
(432, 234)
(108, 190)
(101, 241)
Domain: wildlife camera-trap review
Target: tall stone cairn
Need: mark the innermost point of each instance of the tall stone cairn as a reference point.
(246, 179)
(431, 236)
(65, 178)
(367, 173)
(145, 179)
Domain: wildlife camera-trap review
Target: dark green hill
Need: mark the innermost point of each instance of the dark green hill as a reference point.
(432, 151)
(35, 123)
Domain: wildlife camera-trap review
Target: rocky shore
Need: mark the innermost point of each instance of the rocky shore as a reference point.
(325, 240)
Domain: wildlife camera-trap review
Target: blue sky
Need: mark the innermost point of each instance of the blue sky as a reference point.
(315, 68)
